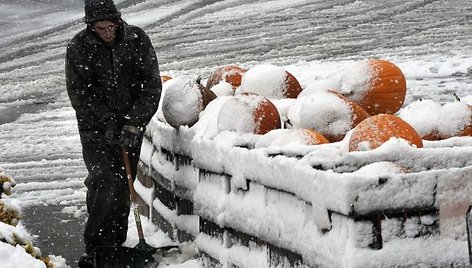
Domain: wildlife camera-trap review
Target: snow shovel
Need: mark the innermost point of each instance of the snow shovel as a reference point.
(142, 254)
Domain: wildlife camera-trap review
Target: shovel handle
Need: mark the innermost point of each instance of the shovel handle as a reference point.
(132, 193)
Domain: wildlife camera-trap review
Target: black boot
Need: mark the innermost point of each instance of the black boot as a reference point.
(86, 261)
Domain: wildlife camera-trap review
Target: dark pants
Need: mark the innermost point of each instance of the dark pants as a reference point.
(108, 200)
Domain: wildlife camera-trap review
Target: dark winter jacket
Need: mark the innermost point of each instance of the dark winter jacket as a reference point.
(112, 84)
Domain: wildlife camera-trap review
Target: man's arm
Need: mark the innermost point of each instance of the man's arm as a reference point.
(145, 106)
(79, 83)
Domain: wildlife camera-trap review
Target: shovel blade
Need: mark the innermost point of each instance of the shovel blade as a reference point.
(123, 257)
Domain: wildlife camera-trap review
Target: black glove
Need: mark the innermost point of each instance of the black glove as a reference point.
(130, 136)
(111, 130)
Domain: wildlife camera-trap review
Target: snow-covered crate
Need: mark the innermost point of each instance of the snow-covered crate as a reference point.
(312, 206)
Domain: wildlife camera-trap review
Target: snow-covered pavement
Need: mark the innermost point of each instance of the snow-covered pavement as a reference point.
(430, 40)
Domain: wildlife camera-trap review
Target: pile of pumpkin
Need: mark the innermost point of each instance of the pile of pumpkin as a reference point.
(365, 99)
(10, 215)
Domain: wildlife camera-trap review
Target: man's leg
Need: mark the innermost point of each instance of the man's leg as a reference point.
(108, 200)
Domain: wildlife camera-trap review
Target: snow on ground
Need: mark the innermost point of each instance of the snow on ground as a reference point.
(431, 42)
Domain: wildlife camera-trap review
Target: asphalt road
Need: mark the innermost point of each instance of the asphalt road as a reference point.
(60, 235)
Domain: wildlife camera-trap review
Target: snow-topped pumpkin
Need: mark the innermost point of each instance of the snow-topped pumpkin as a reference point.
(230, 74)
(248, 113)
(326, 112)
(270, 81)
(379, 86)
(223, 89)
(358, 113)
(434, 121)
(376, 130)
(290, 137)
(183, 101)
(422, 115)
(455, 119)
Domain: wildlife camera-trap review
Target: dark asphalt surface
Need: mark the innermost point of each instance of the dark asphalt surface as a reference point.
(57, 233)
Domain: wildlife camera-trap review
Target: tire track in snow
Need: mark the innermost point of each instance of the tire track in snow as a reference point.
(190, 8)
(35, 50)
(313, 26)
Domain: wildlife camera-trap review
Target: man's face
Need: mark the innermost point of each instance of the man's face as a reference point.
(106, 30)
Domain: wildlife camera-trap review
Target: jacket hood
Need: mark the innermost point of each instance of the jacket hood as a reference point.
(98, 10)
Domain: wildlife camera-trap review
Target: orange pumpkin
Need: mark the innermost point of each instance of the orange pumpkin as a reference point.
(165, 78)
(384, 90)
(432, 136)
(377, 129)
(292, 86)
(467, 131)
(314, 137)
(230, 73)
(266, 117)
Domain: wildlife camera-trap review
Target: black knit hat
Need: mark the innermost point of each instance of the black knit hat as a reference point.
(97, 10)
